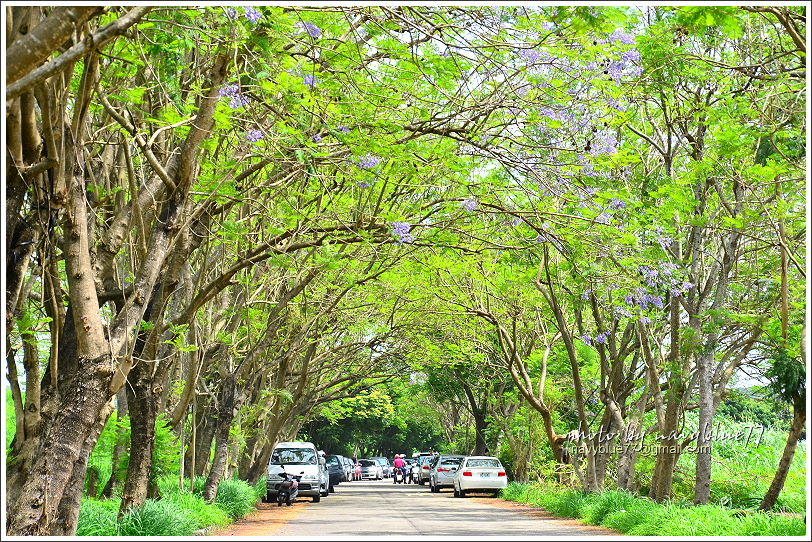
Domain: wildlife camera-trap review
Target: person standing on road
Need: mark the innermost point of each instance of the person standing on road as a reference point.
(400, 465)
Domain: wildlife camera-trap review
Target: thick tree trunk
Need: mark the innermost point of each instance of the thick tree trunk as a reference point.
(798, 422)
(480, 426)
(704, 439)
(141, 402)
(668, 451)
(225, 416)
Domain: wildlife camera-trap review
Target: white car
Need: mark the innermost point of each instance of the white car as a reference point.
(479, 473)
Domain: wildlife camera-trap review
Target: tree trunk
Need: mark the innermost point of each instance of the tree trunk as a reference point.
(704, 438)
(142, 406)
(224, 418)
(798, 422)
(119, 448)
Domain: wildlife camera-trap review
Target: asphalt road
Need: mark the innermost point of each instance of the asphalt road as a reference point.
(380, 509)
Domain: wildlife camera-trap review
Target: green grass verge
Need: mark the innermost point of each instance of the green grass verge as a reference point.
(176, 513)
(638, 516)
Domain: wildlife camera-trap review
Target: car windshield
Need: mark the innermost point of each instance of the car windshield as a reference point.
(293, 456)
(367, 463)
(332, 460)
(483, 463)
(451, 461)
(382, 461)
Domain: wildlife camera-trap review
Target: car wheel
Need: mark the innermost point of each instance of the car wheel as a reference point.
(456, 493)
(331, 489)
(317, 498)
(421, 482)
(434, 488)
(462, 493)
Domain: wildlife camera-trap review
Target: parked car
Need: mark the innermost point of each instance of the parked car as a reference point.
(349, 470)
(296, 458)
(386, 466)
(424, 461)
(479, 473)
(442, 472)
(370, 470)
(335, 468)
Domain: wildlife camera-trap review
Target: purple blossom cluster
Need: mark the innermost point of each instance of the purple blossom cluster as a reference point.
(616, 105)
(254, 135)
(311, 29)
(343, 129)
(309, 80)
(603, 218)
(600, 338)
(401, 231)
(237, 98)
(616, 204)
(605, 142)
(369, 161)
(662, 239)
(585, 295)
(252, 14)
(316, 137)
(469, 203)
(622, 36)
(533, 56)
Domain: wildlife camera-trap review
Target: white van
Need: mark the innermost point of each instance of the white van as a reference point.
(296, 458)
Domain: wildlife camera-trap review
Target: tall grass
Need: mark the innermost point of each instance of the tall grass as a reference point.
(176, 513)
(638, 516)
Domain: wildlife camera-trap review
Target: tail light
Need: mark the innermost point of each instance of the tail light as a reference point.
(425, 467)
(466, 473)
(443, 470)
(502, 473)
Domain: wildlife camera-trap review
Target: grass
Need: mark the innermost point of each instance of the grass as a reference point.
(638, 516)
(176, 513)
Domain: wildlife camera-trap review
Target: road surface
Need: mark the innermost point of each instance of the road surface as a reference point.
(380, 508)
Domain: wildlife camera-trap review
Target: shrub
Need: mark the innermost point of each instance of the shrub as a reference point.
(565, 504)
(761, 524)
(260, 488)
(157, 518)
(235, 497)
(98, 518)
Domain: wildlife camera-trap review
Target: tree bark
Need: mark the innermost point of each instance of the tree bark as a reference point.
(225, 416)
(798, 423)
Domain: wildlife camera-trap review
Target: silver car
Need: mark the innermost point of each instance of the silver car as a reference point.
(370, 470)
(442, 472)
(424, 463)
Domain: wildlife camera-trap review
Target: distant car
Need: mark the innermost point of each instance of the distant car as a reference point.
(479, 473)
(349, 470)
(424, 461)
(370, 470)
(335, 468)
(442, 472)
(386, 466)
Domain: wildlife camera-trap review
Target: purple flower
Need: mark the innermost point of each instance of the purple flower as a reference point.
(601, 338)
(616, 204)
(548, 25)
(645, 320)
(516, 221)
(228, 90)
(615, 70)
(532, 55)
(629, 299)
(364, 184)
(238, 101)
(254, 135)
(622, 312)
(603, 218)
(631, 56)
(316, 137)
(587, 339)
(585, 295)
(614, 104)
(342, 128)
(623, 37)
(369, 161)
(687, 286)
(252, 14)
(231, 13)
(309, 80)
(469, 203)
(401, 231)
(312, 30)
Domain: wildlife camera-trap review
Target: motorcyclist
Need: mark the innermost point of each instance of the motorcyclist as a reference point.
(400, 465)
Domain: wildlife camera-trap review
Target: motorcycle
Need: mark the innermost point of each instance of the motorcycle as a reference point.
(399, 475)
(414, 472)
(289, 488)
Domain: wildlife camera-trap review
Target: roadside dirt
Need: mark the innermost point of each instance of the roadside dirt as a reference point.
(265, 521)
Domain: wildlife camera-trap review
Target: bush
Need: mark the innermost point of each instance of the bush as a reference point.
(199, 511)
(260, 488)
(597, 507)
(157, 518)
(98, 518)
(235, 497)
